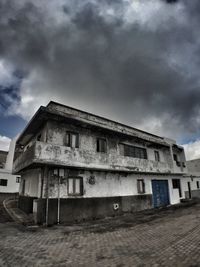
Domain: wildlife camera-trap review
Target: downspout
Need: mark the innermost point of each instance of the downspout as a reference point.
(58, 214)
(47, 196)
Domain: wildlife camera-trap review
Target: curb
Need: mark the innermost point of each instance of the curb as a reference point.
(16, 214)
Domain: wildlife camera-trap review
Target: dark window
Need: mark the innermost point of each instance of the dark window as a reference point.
(18, 179)
(39, 137)
(175, 157)
(75, 186)
(3, 182)
(72, 139)
(197, 184)
(101, 145)
(140, 186)
(176, 185)
(135, 152)
(157, 155)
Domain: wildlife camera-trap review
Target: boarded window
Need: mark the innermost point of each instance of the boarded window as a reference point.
(157, 155)
(75, 186)
(101, 145)
(3, 182)
(72, 139)
(141, 186)
(133, 151)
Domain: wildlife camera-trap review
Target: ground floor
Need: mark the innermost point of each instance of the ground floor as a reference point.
(58, 195)
(167, 237)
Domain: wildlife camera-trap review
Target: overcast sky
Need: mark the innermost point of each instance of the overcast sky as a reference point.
(134, 61)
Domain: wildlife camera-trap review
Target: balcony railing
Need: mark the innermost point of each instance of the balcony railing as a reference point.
(25, 159)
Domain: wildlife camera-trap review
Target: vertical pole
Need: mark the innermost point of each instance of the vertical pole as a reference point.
(47, 195)
(58, 217)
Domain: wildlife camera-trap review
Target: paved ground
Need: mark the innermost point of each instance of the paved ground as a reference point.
(167, 238)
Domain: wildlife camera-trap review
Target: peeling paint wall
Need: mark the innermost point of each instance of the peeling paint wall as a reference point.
(108, 184)
(86, 155)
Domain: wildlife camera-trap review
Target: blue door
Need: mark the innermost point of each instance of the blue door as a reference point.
(160, 193)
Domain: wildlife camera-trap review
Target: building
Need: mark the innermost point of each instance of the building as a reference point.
(75, 165)
(192, 179)
(9, 183)
(3, 157)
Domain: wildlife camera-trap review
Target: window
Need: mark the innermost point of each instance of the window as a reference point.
(3, 182)
(18, 179)
(72, 139)
(176, 159)
(197, 184)
(75, 186)
(101, 145)
(157, 155)
(176, 185)
(39, 137)
(140, 186)
(133, 151)
(183, 164)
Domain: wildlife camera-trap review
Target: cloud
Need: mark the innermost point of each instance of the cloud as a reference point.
(6, 75)
(133, 61)
(4, 143)
(192, 150)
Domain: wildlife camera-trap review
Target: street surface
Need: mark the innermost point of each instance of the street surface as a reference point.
(162, 238)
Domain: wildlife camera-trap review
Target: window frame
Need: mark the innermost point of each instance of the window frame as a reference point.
(197, 183)
(157, 155)
(176, 184)
(18, 179)
(3, 182)
(98, 146)
(74, 178)
(141, 186)
(68, 139)
(137, 151)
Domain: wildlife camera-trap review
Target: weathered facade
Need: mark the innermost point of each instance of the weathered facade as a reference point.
(76, 165)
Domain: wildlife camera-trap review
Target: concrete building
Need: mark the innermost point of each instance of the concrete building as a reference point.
(75, 165)
(192, 179)
(9, 183)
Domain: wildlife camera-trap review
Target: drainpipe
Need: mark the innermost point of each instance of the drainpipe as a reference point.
(58, 215)
(47, 196)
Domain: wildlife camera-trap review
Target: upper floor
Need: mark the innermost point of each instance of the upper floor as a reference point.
(64, 136)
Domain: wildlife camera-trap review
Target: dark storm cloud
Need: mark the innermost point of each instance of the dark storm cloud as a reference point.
(120, 59)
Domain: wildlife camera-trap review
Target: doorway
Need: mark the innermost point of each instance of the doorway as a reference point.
(160, 193)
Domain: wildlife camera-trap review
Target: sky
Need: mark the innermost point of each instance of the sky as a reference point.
(133, 61)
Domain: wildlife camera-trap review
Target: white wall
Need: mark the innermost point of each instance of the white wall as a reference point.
(12, 185)
(193, 183)
(108, 184)
(6, 173)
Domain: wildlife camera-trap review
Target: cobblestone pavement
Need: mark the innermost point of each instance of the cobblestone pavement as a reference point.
(166, 238)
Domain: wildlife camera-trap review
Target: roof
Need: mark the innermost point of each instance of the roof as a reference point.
(55, 110)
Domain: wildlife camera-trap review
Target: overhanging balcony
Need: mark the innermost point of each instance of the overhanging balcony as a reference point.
(45, 153)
